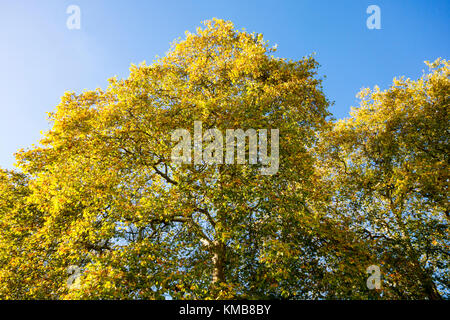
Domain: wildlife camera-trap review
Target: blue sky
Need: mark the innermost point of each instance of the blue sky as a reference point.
(40, 58)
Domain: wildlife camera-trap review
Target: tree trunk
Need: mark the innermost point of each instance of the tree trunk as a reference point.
(431, 290)
(218, 274)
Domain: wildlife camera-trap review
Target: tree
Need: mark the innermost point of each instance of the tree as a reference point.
(139, 225)
(101, 199)
(388, 169)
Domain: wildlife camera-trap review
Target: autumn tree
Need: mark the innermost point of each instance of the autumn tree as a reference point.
(388, 169)
(102, 195)
(139, 225)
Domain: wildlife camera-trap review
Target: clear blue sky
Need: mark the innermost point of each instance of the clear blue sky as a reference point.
(40, 58)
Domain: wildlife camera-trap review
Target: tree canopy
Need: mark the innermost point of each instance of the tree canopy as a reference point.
(101, 194)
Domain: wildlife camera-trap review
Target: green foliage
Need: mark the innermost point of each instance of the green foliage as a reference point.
(100, 191)
(388, 169)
